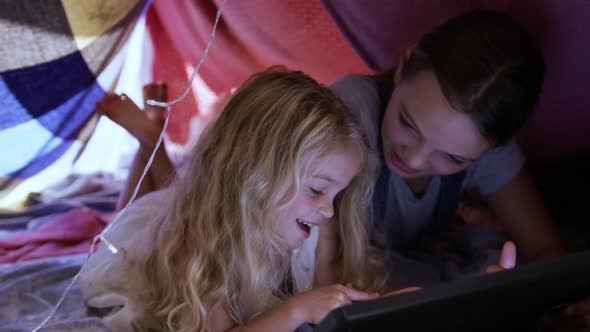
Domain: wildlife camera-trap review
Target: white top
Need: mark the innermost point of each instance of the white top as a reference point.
(106, 278)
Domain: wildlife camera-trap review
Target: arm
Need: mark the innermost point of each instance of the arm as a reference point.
(307, 307)
(520, 209)
(325, 256)
(284, 317)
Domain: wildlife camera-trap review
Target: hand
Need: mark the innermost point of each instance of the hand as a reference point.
(507, 258)
(112, 102)
(317, 303)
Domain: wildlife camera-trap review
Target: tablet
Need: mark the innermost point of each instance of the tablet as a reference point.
(527, 298)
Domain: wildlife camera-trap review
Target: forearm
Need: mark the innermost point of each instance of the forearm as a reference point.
(539, 243)
(325, 260)
(520, 209)
(162, 171)
(325, 273)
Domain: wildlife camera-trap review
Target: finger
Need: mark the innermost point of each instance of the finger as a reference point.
(405, 290)
(339, 299)
(350, 287)
(508, 256)
(494, 268)
(343, 299)
(357, 295)
(402, 291)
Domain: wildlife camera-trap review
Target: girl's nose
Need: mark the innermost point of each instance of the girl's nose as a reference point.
(416, 156)
(326, 208)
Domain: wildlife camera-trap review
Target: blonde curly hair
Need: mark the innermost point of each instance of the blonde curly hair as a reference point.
(215, 243)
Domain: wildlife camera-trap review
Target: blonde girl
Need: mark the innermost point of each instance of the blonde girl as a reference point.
(266, 229)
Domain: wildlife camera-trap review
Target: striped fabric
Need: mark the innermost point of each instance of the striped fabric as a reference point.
(57, 58)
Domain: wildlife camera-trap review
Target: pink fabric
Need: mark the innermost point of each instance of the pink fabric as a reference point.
(169, 67)
(252, 35)
(380, 31)
(69, 233)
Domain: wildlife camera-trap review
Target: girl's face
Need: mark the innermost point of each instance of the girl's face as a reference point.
(423, 135)
(313, 205)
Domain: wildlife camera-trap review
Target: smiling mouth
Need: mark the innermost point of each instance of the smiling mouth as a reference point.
(305, 226)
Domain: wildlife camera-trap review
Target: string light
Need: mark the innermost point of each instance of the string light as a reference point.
(152, 102)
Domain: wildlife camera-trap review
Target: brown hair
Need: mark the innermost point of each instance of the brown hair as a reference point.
(487, 66)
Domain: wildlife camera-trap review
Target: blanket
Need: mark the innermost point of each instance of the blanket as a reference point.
(29, 290)
(57, 60)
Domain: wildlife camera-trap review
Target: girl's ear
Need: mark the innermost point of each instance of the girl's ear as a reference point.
(403, 63)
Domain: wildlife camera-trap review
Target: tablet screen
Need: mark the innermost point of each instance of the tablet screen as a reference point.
(521, 298)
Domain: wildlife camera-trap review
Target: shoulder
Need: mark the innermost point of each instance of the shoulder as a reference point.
(495, 168)
(359, 93)
(109, 280)
(356, 88)
(353, 81)
(131, 234)
(152, 200)
(143, 212)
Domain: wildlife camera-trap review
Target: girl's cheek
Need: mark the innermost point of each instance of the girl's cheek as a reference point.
(398, 135)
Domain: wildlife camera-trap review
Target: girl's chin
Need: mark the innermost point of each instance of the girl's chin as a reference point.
(406, 176)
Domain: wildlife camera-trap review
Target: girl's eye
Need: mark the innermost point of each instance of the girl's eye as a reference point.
(455, 160)
(315, 191)
(405, 122)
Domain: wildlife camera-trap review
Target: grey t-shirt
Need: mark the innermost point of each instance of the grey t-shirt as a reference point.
(487, 174)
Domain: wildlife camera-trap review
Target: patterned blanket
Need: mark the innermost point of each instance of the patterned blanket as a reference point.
(29, 290)
(57, 58)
